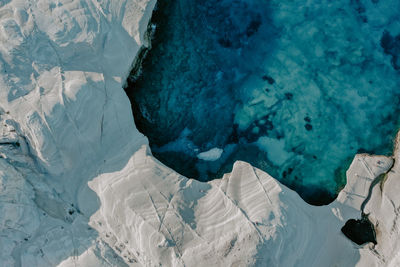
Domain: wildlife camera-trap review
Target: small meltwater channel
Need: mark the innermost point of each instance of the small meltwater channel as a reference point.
(295, 89)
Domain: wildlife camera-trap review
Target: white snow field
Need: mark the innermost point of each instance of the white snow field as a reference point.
(79, 187)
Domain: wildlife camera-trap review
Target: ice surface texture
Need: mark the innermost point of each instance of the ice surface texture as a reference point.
(66, 127)
(293, 89)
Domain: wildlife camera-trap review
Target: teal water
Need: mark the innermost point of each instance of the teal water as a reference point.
(294, 88)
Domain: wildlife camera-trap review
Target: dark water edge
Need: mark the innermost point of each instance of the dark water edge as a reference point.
(164, 121)
(360, 231)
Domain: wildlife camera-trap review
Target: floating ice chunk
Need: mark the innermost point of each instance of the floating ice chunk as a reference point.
(211, 155)
(275, 149)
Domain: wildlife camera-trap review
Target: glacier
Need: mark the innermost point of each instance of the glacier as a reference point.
(79, 185)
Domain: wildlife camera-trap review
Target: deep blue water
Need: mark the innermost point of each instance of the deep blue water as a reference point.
(294, 89)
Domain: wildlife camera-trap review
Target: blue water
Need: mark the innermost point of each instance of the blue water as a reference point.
(294, 88)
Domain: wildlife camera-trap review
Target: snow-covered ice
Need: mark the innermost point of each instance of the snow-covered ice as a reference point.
(66, 129)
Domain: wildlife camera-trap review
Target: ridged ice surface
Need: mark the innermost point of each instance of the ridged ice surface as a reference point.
(293, 88)
(80, 187)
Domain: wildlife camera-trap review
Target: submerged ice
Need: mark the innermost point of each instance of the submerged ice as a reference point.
(293, 89)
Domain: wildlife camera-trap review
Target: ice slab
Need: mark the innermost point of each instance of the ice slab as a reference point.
(211, 155)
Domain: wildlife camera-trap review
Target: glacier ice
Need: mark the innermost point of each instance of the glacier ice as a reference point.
(79, 185)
